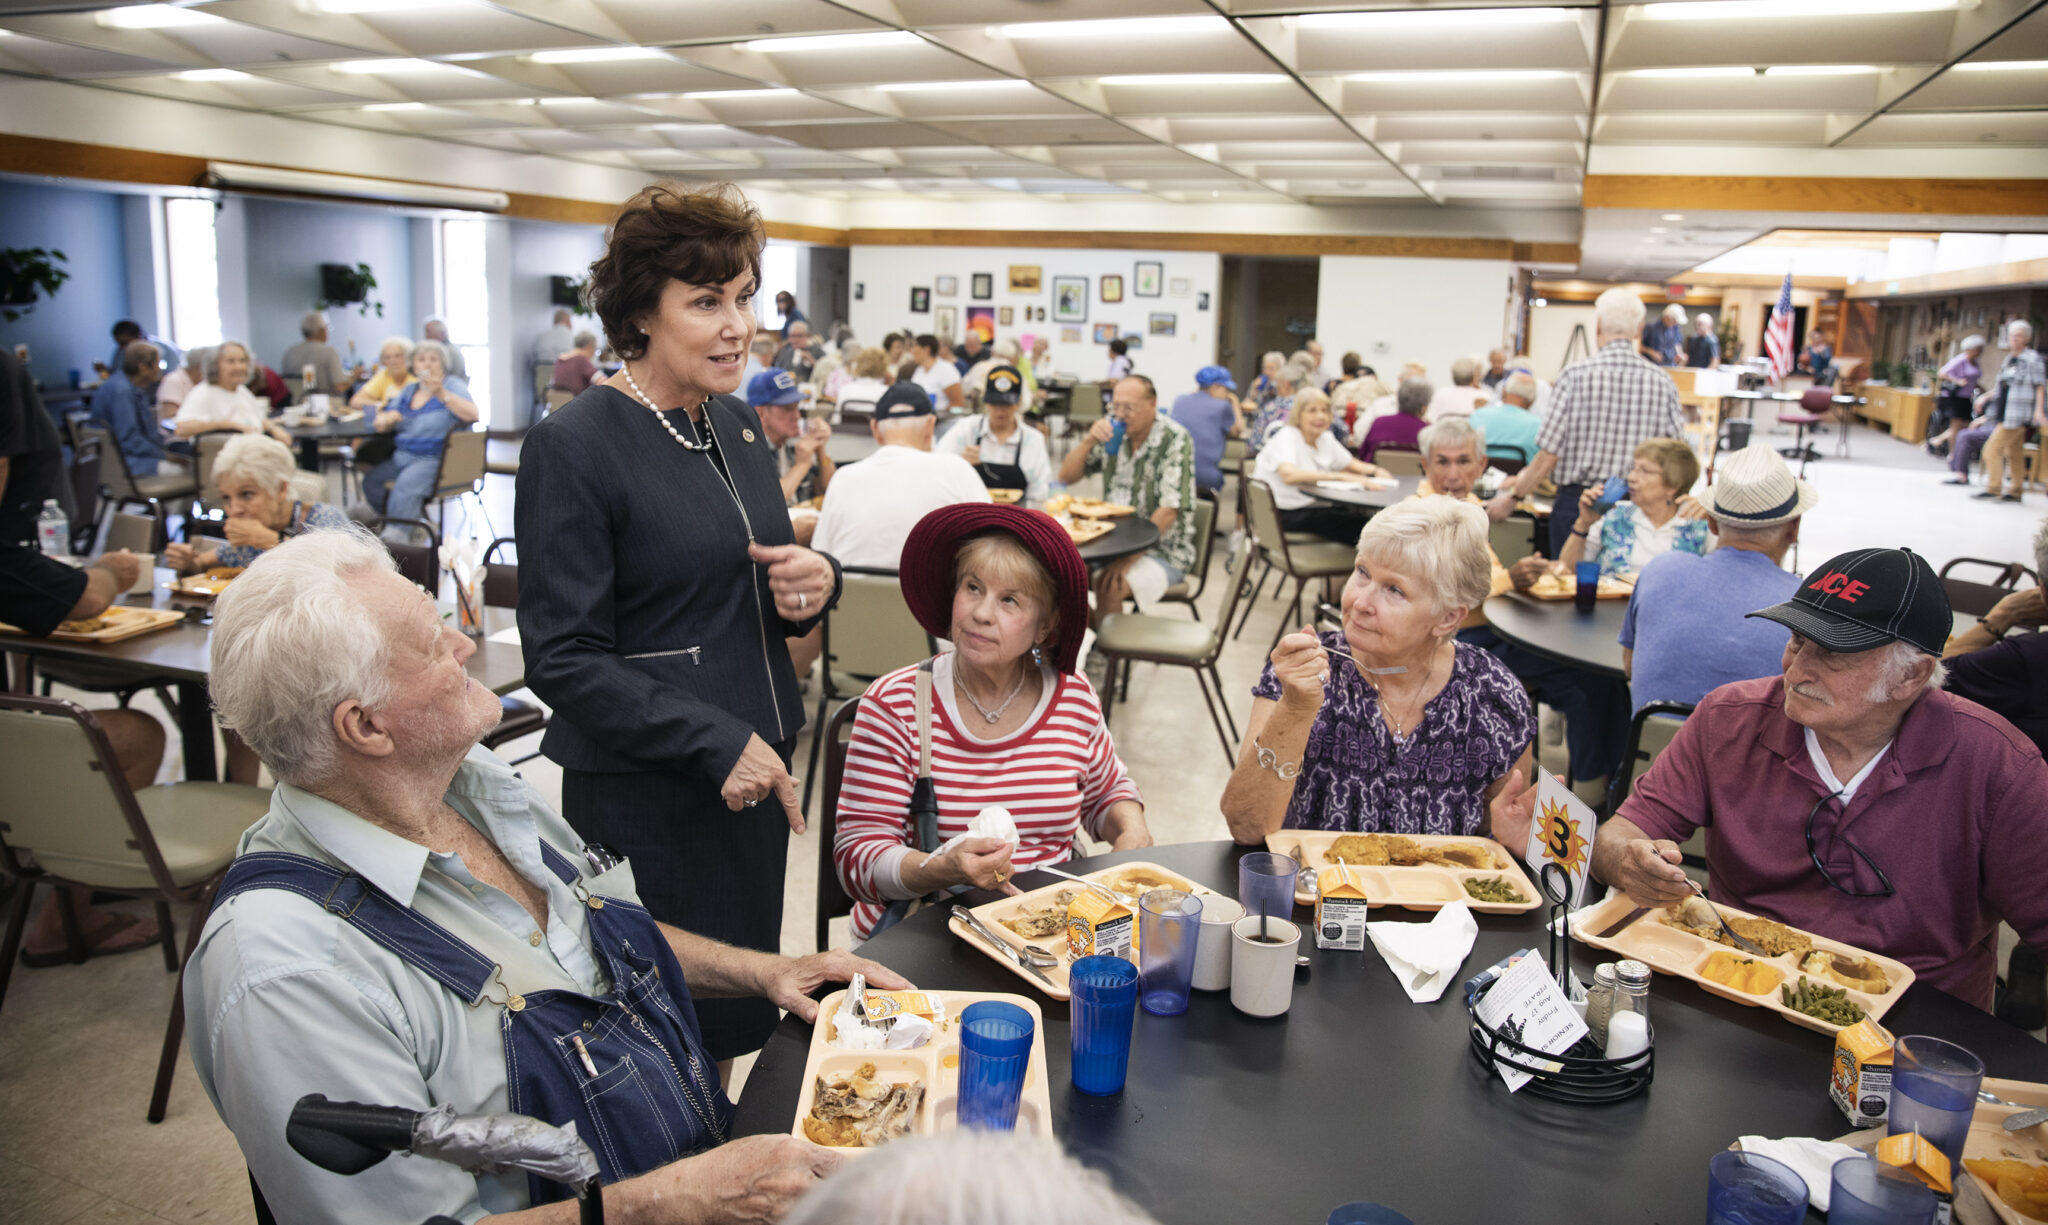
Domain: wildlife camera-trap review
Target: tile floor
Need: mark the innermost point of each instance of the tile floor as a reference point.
(78, 1045)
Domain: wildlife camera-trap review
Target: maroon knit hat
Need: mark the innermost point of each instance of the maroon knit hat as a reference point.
(929, 556)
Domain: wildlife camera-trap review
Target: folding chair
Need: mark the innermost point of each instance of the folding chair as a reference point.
(419, 563)
(501, 590)
(1399, 461)
(1974, 599)
(1302, 561)
(462, 471)
(1189, 589)
(1124, 637)
(833, 900)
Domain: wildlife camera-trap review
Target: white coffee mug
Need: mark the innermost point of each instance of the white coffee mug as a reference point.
(1212, 947)
(1262, 975)
(294, 417)
(146, 581)
(316, 404)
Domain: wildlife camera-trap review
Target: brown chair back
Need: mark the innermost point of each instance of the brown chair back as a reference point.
(1974, 598)
(1398, 461)
(419, 563)
(501, 578)
(833, 900)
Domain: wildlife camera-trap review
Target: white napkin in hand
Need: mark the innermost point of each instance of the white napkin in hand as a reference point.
(1813, 1160)
(1426, 956)
(991, 822)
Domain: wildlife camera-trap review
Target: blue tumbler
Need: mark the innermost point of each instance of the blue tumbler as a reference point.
(1104, 1009)
(995, 1051)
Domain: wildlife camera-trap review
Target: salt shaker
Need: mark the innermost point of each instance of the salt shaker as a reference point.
(1631, 988)
(1600, 1002)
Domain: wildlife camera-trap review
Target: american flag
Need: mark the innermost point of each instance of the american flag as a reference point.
(1778, 333)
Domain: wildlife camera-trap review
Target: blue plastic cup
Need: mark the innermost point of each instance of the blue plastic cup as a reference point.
(1745, 1189)
(1934, 1092)
(995, 1051)
(1168, 930)
(1865, 1191)
(1587, 593)
(1104, 1010)
(1265, 884)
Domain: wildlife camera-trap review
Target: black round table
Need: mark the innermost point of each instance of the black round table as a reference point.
(1132, 534)
(309, 437)
(1358, 1094)
(1368, 500)
(1557, 630)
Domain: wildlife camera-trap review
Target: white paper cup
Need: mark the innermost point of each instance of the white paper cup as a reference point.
(146, 581)
(317, 404)
(1262, 975)
(294, 416)
(1212, 947)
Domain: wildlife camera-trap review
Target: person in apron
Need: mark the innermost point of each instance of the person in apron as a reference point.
(1005, 453)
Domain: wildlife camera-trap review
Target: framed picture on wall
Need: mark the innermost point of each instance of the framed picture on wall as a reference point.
(946, 286)
(1024, 278)
(944, 320)
(981, 320)
(1005, 316)
(1134, 341)
(1145, 278)
(984, 286)
(920, 300)
(1162, 323)
(1070, 299)
(1202, 302)
(1179, 286)
(1106, 332)
(1070, 336)
(1113, 288)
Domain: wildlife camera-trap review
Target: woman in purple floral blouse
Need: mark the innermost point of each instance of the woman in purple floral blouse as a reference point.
(1422, 733)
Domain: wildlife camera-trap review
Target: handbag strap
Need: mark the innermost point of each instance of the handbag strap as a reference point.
(924, 802)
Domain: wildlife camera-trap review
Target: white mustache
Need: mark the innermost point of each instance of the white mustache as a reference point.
(1813, 695)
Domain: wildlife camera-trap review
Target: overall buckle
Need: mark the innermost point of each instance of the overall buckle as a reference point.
(327, 903)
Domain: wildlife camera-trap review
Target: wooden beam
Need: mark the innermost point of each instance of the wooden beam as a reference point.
(1958, 280)
(1424, 246)
(1679, 192)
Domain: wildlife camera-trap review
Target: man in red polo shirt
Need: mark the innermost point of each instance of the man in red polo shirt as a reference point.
(1852, 797)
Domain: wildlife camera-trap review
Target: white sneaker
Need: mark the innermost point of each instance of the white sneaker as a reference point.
(1550, 727)
(1236, 542)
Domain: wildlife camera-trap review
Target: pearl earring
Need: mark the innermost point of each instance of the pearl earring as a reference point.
(1037, 657)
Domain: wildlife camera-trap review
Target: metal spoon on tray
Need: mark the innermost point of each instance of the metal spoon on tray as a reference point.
(2015, 1122)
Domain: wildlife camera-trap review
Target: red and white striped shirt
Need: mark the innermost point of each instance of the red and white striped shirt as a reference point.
(1058, 773)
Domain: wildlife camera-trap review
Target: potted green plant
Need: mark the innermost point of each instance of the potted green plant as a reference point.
(26, 275)
(341, 285)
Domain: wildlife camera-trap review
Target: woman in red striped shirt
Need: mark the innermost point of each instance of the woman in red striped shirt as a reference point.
(1013, 724)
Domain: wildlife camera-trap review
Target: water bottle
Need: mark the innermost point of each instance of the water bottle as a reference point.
(53, 529)
(1116, 439)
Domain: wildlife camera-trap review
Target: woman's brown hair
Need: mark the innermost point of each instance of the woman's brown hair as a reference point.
(701, 236)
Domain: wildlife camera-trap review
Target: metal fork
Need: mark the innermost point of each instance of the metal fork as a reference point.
(1112, 894)
(1746, 945)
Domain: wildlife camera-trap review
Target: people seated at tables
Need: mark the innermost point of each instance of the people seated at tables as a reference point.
(268, 499)
(1687, 631)
(1266, 384)
(435, 330)
(1508, 421)
(1819, 361)
(1012, 722)
(126, 405)
(1522, 363)
(1388, 401)
(1004, 452)
(835, 370)
(419, 419)
(576, 369)
(785, 306)
(1274, 410)
(127, 332)
(1417, 735)
(1399, 429)
(1305, 452)
(872, 505)
(1599, 410)
(36, 594)
(1356, 392)
(223, 402)
(394, 371)
(870, 379)
(1153, 472)
(800, 459)
(351, 687)
(1463, 395)
(940, 380)
(1663, 342)
(1703, 348)
(897, 346)
(1119, 361)
(966, 1174)
(760, 355)
(970, 354)
(1496, 368)
(1209, 415)
(1453, 459)
(1851, 797)
(549, 346)
(171, 392)
(1658, 516)
(799, 353)
(329, 373)
(2005, 672)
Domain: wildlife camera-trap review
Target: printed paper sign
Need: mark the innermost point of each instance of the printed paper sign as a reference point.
(1526, 1005)
(1561, 833)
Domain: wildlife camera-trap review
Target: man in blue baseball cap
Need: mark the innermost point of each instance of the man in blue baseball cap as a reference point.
(800, 459)
(1210, 416)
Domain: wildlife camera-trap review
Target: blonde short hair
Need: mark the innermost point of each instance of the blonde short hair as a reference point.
(1302, 400)
(1674, 459)
(268, 464)
(871, 364)
(1000, 557)
(1439, 541)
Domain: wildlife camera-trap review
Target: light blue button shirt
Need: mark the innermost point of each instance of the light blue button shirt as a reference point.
(284, 999)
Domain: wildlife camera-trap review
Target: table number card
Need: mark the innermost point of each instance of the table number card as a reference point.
(1561, 832)
(1527, 1005)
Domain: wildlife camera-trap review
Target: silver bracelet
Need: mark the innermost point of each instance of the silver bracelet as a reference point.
(1269, 760)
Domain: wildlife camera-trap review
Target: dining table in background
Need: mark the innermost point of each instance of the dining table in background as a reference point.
(309, 437)
(1557, 630)
(1358, 1094)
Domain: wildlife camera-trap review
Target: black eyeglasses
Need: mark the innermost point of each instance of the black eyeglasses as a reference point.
(1813, 852)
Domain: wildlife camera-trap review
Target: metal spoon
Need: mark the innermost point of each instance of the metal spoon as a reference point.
(2016, 1122)
(1305, 882)
(1740, 942)
(1040, 956)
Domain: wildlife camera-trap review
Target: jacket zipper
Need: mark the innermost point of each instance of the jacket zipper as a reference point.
(760, 618)
(704, 1115)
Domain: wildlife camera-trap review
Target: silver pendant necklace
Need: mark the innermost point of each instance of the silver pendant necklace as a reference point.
(663, 417)
(996, 715)
(1400, 731)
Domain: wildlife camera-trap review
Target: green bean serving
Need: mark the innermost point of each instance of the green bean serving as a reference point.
(1830, 1004)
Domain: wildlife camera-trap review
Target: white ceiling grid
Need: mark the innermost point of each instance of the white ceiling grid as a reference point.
(1178, 100)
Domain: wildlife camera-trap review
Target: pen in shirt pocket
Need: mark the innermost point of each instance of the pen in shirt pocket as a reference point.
(583, 1053)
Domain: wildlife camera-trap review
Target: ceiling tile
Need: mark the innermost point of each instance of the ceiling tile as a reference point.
(671, 21)
(2028, 128)
(1462, 95)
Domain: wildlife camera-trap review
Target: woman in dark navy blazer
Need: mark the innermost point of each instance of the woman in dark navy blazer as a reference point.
(658, 580)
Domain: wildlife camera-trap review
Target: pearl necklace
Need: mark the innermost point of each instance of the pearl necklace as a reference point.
(663, 417)
(996, 715)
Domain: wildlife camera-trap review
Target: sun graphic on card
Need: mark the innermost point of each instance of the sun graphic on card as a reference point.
(1563, 845)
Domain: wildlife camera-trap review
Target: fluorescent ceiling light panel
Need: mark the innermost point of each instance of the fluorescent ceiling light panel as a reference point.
(396, 106)
(1181, 79)
(922, 87)
(379, 6)
(1433, 19)
(835, 42)
(560, 101)
(1473, 76)
(596, 55)
(1117, 27)
(713, 95)
(212, 74)
(154, 17)
(375, 67)
(1746, 10)
(2002, 66)
(1671, 74)
(1818, 70)
(1674, 216)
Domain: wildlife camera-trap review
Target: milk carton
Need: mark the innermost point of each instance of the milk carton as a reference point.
(1340, 910)
(1098, 926)
(1861, 1080)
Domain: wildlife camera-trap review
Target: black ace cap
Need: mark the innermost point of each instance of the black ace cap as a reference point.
(1867, 598)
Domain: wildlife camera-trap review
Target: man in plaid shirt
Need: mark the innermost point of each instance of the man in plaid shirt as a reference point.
(1600, 410)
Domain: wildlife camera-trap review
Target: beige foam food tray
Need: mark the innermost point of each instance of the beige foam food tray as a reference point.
(936, 1063)
(1554, 587)
(1426, 887)
(1990, 1141)
(1668, 950)
(123, 622)
(992, 914)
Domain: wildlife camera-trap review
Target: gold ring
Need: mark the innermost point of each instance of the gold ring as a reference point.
(1001, 877)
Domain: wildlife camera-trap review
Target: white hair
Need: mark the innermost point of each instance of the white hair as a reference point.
(269, 465)
(1620, 313)
(1274, 356)
(903, 429)
(311, 322)
(1971, 342)
(1703, 317)
(2020, 325)
(435, 347)
(1465, 372)
(404, 344)
(210, 364)
(1007, 349)
(1520, 383)
(2041, 553)
(1675, 311)
(292, 641)
(1898, 661)
(987, 1177)
(1440, 541)
(1452, 434)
